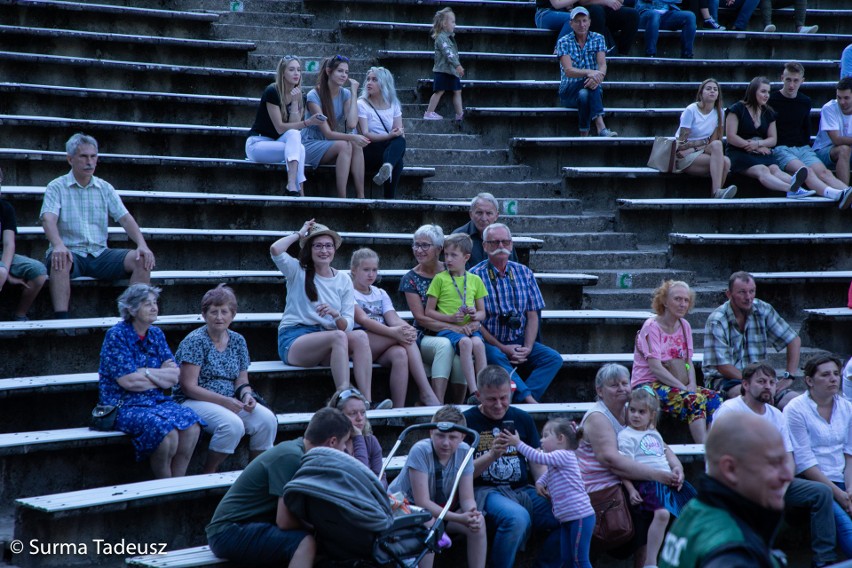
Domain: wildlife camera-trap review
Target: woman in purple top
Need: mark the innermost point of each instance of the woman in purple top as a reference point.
(662, 359)
(361, 445)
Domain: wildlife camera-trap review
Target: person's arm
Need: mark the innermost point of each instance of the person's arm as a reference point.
(350, 106)
(188, 379)
(142, 251)
(771, 139)
(498, 448)
(434, 314)
(632, 493)
(717, 350)
(599, 433)
(397, 333)
(375, 458)
(147, 378)
(60, 256)
(330, 134)
(281, 245)
(732, 124)
(793, 353)
(8, 255)
(837, 139)
(285, 519)
(418, 312)
(576, 72)
(420, 491)
(407, 331)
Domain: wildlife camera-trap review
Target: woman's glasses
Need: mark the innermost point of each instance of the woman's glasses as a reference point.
(421, 246)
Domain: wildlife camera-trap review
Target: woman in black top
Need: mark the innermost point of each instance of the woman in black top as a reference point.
(275, 136)
(751, 131)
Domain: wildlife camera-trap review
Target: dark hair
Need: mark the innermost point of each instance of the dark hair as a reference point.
(814, 362)
(492, 376)
(750, 99)
(327, 68)
(758, 367)
(718, 106)
(845, 84)
(450, 413)
(327, 423)
(794, 67)
(567, 428)
(306, 261)
(221, 295)
(740, 275)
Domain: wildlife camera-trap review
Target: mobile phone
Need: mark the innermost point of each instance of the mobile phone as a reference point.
(321, 116)
(509, 425)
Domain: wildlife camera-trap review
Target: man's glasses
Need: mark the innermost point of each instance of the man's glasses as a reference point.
(501, 242)
(323, 246)
(421, 246)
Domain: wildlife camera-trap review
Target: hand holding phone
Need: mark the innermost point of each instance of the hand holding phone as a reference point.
(321, 116)
(509, 425)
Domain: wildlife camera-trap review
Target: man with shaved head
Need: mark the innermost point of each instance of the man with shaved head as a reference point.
(740, 501)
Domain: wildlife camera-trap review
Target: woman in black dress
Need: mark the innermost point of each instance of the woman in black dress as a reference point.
(750, 127)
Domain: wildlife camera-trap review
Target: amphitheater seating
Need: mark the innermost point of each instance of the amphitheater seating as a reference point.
(170, 93)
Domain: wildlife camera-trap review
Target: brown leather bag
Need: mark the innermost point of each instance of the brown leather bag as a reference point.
(613, 523)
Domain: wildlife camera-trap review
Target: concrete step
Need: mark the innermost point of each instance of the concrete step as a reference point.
(481, 173)
(267, 37)
(270, 19)
(640, 298)
(559, 151)
(458, 156)
(595, 260)
(436, 188)
(554, 223)
(649, 278)
(596, 240)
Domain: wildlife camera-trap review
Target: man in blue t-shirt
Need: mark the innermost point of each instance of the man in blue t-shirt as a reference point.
(501, 474)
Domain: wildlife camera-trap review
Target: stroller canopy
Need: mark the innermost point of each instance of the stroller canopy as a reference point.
(339, 495)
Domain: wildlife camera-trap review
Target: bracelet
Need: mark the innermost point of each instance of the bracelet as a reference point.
(238, 393)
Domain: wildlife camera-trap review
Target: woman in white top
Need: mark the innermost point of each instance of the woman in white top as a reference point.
(316, 328)
(820, 425)
(380, 120)
(699, 140)
(333, 139)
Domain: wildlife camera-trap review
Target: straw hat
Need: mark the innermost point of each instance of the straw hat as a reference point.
(318, 230)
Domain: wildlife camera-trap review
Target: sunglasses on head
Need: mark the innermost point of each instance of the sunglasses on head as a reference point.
(342, 58)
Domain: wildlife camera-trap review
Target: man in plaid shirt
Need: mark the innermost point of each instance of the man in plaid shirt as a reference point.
(511, 323)
(738, 332)
(75, 216)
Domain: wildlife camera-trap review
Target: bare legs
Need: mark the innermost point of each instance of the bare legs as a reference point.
(171, 457)
(348, 158)
(713, 162)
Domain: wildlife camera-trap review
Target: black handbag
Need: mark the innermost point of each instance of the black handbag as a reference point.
(103, 417)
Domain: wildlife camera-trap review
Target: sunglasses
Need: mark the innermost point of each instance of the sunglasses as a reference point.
(350, 393)
(340, 58)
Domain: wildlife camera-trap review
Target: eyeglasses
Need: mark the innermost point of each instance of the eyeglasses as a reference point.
(323, 246)
(289, 57)
(421, 246)
(340, 58)
(501, 242)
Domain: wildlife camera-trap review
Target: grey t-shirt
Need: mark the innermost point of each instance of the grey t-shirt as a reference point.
(421, 458)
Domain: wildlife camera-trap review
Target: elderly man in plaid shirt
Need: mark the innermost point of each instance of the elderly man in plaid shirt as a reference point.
(582, 57)
(75, 216)
(738, 332)
(511, 321)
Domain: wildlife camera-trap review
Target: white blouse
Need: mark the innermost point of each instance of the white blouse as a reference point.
(817, 442)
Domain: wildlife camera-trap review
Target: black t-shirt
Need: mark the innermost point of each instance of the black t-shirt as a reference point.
(746, 128)
(8, 222)
(511, 469)
(262, 123)
(793, 119)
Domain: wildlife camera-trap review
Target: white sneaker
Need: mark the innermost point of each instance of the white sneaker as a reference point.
(808, 29)
(384, 174)
(769, 29)
(845, 198)
(432, 116)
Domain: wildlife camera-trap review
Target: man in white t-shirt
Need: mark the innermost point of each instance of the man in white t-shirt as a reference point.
(758, 391)
(833, 143)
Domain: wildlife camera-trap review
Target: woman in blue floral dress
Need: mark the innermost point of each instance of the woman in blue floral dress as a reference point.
(136, 368)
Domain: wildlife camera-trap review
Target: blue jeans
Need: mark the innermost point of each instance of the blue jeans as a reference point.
(844, 525)
(588, 102)
(576, 539)
(653, 22)
(540, 368)
(817, 499)
(846, 62)
(554, 20)
(258, 543)
(512, 525)
(746, 9)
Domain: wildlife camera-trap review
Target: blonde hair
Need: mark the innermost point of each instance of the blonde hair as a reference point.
(360, 256)
(646, 396)
(658, 303)
(438, 22)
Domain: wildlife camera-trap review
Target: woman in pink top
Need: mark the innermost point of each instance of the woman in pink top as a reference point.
(662, 359)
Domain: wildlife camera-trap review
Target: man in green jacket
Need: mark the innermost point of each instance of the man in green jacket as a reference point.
(733, 521)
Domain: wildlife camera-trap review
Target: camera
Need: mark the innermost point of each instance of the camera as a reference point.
(511, 319)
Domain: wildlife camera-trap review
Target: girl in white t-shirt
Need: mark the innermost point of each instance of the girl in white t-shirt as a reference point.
(380, 120)
(641, 442)
(699, 140)
(392, 341)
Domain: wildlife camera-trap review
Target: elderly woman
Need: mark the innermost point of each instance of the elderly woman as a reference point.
(136, 367)
(361, 445)
(582, 59)
(820, 425)
(316, 328)
(662, 359)
(380, 120)
(601, 463)
(436, 351)
(214, 383)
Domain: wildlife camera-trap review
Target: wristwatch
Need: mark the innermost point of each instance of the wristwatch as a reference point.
(787, 375)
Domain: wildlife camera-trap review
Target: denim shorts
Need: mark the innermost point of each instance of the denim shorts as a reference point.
(288, 335)
(26, 268)
(109, 265)
(455, 337)
(824, 154)
(786, 154)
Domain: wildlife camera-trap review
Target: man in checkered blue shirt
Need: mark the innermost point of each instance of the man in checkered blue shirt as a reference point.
(738, 333)
(511, 323)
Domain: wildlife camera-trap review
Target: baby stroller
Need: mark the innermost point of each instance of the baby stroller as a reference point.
(351, 513)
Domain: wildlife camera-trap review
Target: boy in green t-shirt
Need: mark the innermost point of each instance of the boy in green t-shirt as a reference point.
(455, 297)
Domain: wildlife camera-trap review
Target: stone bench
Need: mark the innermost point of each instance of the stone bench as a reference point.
(117, 10)
(829, 328)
